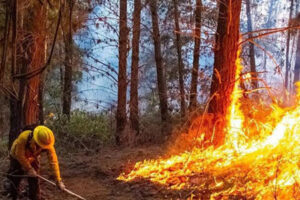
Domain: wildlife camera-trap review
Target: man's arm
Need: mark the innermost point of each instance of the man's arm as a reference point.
(53, 161)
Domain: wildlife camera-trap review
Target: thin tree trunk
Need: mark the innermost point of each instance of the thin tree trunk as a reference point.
(15, 120)
(251, 47)
(195, 70)
(272, 11)
(271, 20)
(15, 102)
(264, 64)
(42, 84)
(161, 76)
(223, 80)
(293, 54)
(17, 97)
(61, 79)
(5, 38)
(180, 62)
(287, 59)
(67, 89)
(122, 83)
(134, 103)
(14, 17)
(297, 63)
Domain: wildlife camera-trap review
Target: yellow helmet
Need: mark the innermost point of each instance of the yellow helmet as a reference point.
(43, 136)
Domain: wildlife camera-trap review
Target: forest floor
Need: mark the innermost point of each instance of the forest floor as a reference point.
(93, 175)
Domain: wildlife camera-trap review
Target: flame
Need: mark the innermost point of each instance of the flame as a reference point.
(234, 116)
(263, 166)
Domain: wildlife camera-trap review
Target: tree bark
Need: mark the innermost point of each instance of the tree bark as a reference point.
(5, 38)
(180, 62)
(223, 80)
(251, 47)
(161, 76)
(271, 15)
(134, 103)
(195, 70)
(67, 88)
(122, 83)
(287, 59)
(15, 101)
(42, 84)
(297, 63)
(36, 52)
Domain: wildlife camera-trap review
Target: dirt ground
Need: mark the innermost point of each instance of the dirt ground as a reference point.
(93, 175)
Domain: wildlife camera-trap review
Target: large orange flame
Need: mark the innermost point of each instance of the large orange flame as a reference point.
(264, 167)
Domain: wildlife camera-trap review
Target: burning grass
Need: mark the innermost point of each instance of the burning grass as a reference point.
(260, 158)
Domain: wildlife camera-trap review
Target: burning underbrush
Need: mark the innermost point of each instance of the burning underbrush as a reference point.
(260, 157)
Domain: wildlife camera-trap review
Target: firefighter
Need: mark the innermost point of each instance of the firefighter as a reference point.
(25, 153)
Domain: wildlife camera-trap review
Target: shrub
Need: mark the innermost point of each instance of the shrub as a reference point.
(84, 130)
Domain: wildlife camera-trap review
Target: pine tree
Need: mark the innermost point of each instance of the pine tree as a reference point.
(227, 38)
(195, 70)
(161, 74)
(122, 82)
(134, 102)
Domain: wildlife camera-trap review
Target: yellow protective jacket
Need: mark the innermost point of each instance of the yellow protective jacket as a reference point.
(25, 155)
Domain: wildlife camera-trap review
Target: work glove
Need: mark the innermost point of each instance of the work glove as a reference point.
(32, 173)
(61, 185)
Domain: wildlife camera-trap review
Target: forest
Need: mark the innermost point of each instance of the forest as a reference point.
(150, 99)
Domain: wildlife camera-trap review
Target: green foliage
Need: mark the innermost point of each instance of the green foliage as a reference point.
(83, 131)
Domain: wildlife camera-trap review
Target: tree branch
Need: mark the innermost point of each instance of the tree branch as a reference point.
(271, 31)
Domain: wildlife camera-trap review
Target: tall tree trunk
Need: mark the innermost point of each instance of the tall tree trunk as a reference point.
(297, 62)
(122, 83)
(180, 62)
(287, 58)
(61, 79)
(15, 101)
(223, 80)
(161, 76)
(42, 84)
(134, 103)
(251, 47)
(195, 70)
(271, 14)
(5, 38)
(67, 89)
(36, 52)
